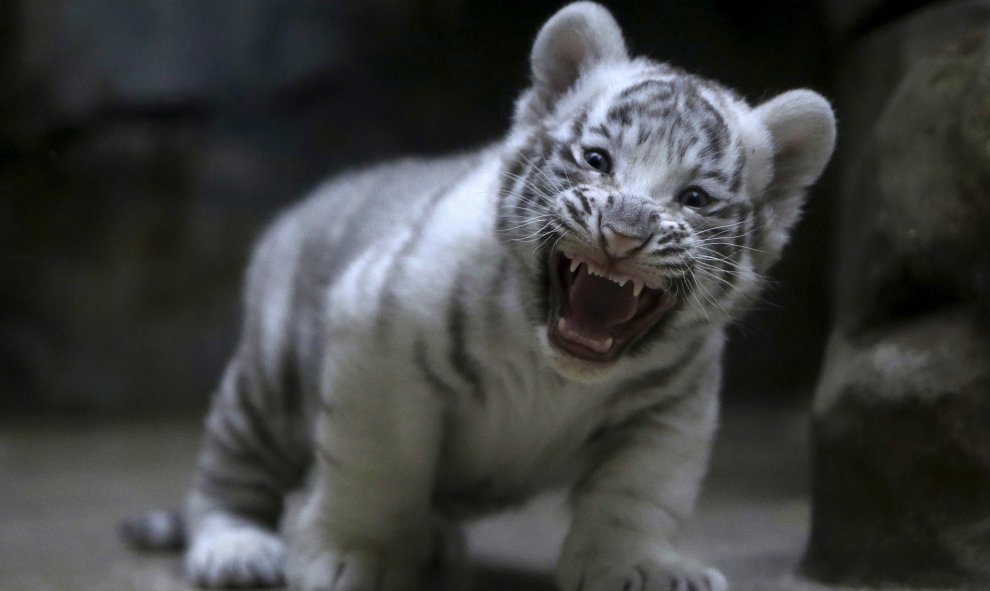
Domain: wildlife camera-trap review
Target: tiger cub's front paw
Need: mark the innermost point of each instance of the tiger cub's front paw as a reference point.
(353, 570)
(236, 557)
(648, 574)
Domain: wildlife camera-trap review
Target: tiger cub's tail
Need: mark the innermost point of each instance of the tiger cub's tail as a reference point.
(155, 530)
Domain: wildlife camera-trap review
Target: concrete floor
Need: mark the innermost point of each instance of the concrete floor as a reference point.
(64, 485)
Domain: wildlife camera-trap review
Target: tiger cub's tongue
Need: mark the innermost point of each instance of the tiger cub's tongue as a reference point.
(597, 304)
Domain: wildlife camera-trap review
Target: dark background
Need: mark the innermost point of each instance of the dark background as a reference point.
(144, 144)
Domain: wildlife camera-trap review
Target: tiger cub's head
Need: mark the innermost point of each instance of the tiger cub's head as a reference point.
(645, 201)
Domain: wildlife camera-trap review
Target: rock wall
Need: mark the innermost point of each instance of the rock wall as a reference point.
(901, 450)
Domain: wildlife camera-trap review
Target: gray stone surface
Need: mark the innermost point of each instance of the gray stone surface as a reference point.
(871, 67)
(846, 15)
(901, 451)
(65, 485)
(99, 53)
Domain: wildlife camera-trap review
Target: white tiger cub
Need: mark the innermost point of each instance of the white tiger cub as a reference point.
(431, 340)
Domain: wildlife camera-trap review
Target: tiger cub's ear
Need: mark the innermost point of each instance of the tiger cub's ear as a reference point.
(578, 37)
(801, 125)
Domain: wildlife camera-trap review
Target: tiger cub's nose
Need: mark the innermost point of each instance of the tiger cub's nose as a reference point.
(620, 245)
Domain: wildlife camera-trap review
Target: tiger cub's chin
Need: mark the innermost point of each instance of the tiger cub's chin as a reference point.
(571, 367)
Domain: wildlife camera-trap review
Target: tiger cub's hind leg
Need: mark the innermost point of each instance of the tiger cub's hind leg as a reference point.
(246, 465)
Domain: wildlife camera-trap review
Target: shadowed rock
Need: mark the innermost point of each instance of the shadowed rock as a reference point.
(901, 451)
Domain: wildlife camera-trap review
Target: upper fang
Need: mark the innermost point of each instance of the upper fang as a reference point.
(592, 269)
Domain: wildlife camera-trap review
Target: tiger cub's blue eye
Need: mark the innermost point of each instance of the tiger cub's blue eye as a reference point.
(694, 197)
(599, 160)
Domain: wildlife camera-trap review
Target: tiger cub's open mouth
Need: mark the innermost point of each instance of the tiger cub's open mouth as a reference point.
(595, 313)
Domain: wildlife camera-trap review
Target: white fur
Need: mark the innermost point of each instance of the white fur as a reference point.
(229, 552)
(392, 418)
